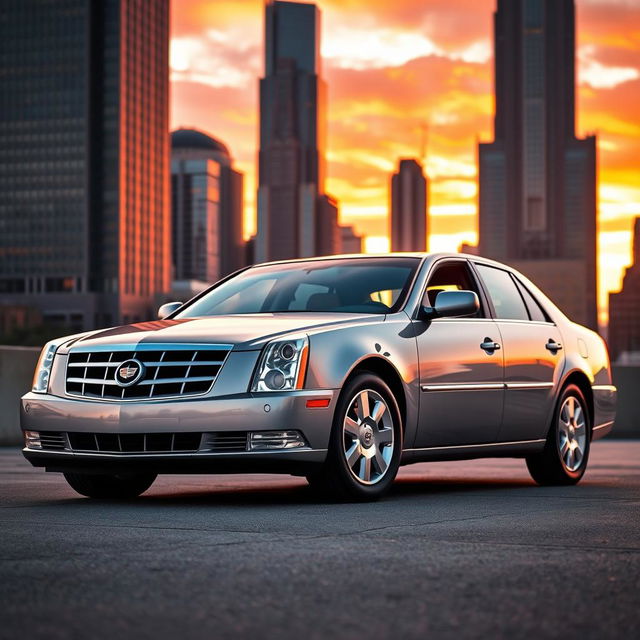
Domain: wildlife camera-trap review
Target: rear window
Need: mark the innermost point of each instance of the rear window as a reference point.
(536, 312)
(504, 294)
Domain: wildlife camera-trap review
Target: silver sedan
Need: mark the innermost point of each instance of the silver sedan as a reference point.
(339, 369)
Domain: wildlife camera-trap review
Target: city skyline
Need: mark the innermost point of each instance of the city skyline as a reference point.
(375, 112)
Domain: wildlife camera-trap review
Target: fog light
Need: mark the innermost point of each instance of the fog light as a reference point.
(269, 440)
(32, 440)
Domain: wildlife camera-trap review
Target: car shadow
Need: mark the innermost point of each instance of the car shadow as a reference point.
(301, 494)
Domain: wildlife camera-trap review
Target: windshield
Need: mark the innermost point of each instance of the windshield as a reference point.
(352, 285)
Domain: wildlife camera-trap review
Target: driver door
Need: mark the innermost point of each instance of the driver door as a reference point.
(461, 368)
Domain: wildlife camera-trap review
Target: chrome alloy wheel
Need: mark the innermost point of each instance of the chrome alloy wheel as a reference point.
(572, 433)
(368, 437)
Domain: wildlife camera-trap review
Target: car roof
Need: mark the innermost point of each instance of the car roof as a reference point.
(396, 254)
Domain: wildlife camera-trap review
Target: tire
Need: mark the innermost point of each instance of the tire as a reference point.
(564, 458)
(365, 444)
(119, 487)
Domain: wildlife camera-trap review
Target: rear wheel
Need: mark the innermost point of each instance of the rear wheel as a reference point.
(107, 486)
(566, 452)
(365, 445)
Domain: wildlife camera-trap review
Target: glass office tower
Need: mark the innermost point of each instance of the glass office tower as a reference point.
(537, 201)
(84, 150)
(206, 208)
(292, 131)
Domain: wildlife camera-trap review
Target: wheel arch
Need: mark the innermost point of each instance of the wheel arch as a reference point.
(385, 370)
(581, 380)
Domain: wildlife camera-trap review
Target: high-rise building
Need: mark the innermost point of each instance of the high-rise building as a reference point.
(408, 219)
(350, 241)
(537, 196)
(206, 208)
(292, 134)
(84, 150)
(327, 229)
(624, 308)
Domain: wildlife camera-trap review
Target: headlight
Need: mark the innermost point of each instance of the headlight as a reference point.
(282, 366)
(43, 370)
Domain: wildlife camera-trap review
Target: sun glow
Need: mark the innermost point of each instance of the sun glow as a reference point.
(391, 66)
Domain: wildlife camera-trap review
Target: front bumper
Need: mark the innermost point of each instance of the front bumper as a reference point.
(239, 413)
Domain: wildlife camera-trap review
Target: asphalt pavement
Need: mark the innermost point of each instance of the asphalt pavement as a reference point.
(457, 550)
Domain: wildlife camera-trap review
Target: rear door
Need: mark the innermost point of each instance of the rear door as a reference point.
(461, 373)
(533, 355)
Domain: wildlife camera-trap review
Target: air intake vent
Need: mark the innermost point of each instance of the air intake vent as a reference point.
(140, 443)
(167, 371)
(225, 441)
(135, 442)
(53, 440)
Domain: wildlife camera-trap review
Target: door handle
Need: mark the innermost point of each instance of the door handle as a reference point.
(489, 345)
(553, 346)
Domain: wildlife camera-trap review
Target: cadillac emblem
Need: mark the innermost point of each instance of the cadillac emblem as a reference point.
(129, 372)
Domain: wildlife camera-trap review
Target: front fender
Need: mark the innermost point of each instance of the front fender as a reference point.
(336, 353)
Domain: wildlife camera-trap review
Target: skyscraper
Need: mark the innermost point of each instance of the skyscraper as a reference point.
(350, 241)
(537, 195)
(292, 133)
(206, 208)
(408, 220)
(328, 232)
(84, 146)
(624, 307)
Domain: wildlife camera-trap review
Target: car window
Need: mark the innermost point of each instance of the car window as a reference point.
(303, 295)
(451, 276)
(536, 312)
(350, 285)
(251, 298)
(386, 296)
(504, 294)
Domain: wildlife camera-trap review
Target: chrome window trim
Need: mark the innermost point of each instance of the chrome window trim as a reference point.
(516, 321)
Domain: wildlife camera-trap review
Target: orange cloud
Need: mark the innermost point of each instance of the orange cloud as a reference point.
(390, 66)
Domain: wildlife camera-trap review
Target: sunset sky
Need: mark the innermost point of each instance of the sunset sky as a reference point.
(391, 65)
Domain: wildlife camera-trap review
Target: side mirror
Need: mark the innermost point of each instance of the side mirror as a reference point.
(167, 309)
(452, 304)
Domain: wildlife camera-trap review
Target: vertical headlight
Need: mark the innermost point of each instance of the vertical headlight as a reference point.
(43, 369)
(282, 365)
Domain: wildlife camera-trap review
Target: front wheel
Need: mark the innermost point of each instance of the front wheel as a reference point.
(566, 452)
(365, 444)
(119, 487)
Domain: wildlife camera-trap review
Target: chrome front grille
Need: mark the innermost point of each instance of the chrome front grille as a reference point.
(169, 371)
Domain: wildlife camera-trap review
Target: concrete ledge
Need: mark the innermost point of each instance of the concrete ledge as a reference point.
(627, 379)
(17, 365)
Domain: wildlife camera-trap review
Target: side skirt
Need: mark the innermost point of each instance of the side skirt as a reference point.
(469, 451)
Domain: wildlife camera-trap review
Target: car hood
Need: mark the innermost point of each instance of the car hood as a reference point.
(245, 332)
